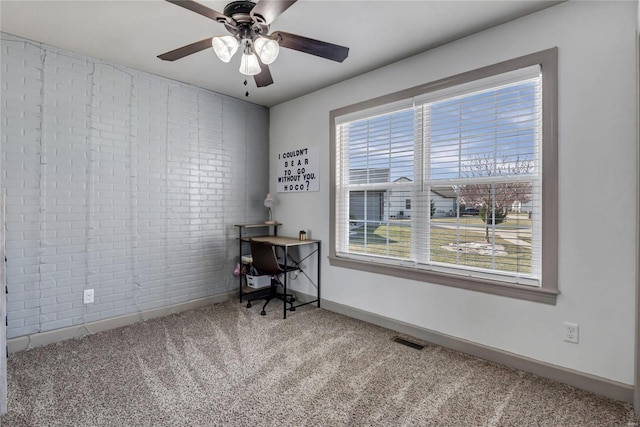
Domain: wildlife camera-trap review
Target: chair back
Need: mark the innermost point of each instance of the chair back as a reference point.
(264, 258)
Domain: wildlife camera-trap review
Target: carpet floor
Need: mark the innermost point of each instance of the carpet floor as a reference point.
(225, 365)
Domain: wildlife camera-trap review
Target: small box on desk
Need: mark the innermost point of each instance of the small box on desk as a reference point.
(258, 282)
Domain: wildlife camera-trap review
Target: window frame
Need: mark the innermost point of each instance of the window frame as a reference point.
(548, 291)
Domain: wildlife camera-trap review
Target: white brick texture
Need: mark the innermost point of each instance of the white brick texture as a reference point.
(119, 181)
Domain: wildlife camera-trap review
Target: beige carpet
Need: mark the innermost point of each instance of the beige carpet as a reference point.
(226, 365)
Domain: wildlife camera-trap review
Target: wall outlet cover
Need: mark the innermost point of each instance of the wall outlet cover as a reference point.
(88, 296)
(571, 332)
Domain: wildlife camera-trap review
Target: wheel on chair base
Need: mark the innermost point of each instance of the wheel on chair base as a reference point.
(263, 313)
(292, 309)
(248, 305)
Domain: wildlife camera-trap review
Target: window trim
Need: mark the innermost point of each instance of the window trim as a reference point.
(548, 292)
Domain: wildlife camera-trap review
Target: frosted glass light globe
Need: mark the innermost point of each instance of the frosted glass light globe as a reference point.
(249, 65)
(224, 47)
(266, 49)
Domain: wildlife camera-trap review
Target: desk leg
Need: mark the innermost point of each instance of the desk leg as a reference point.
(286, 277)
(318, 267)
(240, 261)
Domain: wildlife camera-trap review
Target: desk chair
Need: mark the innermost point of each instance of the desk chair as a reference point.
(266, 263)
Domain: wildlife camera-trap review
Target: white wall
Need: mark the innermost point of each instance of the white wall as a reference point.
(597, 187)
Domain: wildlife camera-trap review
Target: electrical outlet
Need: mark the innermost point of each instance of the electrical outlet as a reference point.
(571, 331)
(88, 296)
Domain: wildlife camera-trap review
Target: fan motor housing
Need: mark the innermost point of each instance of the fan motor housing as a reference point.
(245, 25)
(239, 11)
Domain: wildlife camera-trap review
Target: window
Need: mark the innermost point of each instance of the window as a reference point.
(446, 183)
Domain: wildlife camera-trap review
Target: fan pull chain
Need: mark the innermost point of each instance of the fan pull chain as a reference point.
(247, 92)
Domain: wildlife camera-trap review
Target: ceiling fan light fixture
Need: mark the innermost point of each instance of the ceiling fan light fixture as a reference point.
(267, 49)
(248, 21)
(224, 47)
(249, 65)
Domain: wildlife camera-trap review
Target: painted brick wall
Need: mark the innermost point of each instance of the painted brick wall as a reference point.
(119, 181)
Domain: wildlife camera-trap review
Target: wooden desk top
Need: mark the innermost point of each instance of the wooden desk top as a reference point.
(258, 225)
(283, 240)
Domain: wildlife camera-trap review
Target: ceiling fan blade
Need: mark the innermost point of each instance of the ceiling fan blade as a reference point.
(264, 78)
(202, 10)
(187, 50)
(319, 48)
(269, 10)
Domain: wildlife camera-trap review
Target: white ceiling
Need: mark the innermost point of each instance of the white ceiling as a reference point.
(133, 33)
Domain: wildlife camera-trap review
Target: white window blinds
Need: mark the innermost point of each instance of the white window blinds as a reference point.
(452, 183)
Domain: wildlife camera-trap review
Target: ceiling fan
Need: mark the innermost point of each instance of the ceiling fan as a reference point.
(248, 23)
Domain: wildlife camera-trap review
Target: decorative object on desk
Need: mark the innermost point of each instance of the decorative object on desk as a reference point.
(303, 235)
(269, 202)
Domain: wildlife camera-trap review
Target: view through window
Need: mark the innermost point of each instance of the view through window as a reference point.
(448, 181)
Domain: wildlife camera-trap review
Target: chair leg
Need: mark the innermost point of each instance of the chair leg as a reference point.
(263, 312)
(260, 296)
(287, 299)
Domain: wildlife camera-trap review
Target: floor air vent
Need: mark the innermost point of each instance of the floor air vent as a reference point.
(407, 343)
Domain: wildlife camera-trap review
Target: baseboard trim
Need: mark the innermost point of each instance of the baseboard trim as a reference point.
(602, 386)
(27, 342)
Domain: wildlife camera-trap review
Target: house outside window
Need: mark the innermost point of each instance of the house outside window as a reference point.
(445, 182)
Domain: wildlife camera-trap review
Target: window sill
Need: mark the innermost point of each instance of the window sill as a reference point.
(527, 293)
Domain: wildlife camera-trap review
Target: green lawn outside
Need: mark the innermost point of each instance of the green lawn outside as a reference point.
(470, 229)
